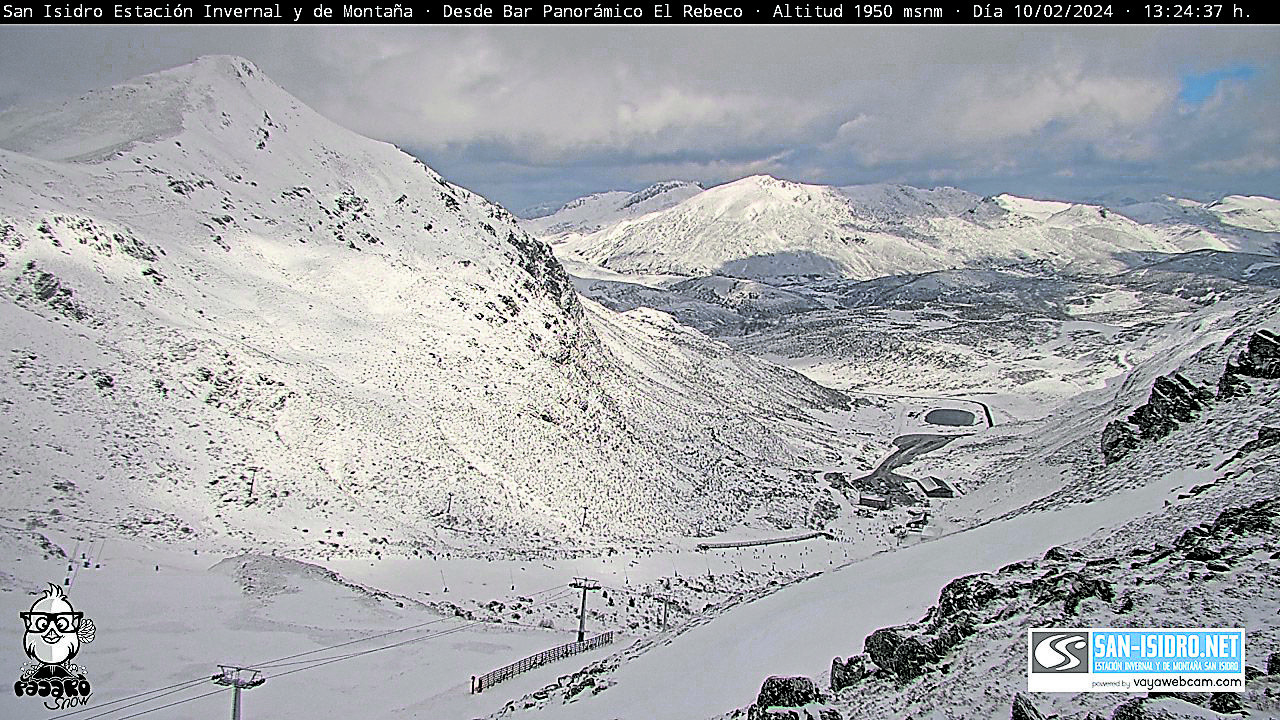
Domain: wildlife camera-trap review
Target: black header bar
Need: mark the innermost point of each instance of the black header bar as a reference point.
(706, 12)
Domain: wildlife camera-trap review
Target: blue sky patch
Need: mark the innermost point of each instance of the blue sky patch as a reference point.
(1197, 88)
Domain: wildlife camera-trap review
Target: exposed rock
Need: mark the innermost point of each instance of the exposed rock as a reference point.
(1024, 709)
(1225, 702)
(1130, 710)
(1070, 587)
(1256, 518)
(966, 593)
(1060, 553)
(848, 672)
(755, 712)
(903, 651)
(779, 691)
(1259, 359)
(1202, 553)
(1273, 664)
(1267, 437)
(1173, 400)
(1118, 438)
(1065, 576)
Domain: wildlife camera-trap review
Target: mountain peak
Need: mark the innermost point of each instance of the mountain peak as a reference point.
(102, 123)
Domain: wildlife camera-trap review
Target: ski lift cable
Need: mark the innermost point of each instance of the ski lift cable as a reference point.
(151, 710)
(281, 660)
(319, 662)
(170, 688)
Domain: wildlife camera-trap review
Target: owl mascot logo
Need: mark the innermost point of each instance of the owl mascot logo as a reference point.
(54, 633)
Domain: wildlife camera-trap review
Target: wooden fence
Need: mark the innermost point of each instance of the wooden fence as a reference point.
(489, 679)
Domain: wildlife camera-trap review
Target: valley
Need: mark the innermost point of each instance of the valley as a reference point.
(273, 389)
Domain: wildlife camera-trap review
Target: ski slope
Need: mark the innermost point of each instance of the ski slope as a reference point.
(718, 666)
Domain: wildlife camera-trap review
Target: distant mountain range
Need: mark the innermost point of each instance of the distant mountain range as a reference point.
(762, 227)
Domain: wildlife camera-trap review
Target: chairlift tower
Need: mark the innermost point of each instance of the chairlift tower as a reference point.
(583, 584)
(240, 679)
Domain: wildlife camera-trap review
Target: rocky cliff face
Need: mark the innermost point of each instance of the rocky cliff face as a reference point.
(1259, 359)
(1174, 400)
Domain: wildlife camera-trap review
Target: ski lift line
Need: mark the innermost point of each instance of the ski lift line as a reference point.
(430, 636)
(171, 688)
(330, 661)
(151, 710)
(281, 660)
(169, 705)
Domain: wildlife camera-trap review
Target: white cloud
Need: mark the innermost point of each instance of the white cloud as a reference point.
(568, 107)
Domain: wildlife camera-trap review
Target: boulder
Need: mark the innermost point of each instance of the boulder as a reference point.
(1260, 517)
(787, 692)
(1260, 357)
(966, 593)
(1225, 703)
(1070, 587)
(1173, 400)
(848, 672)
(903, 651)
(1273, 664)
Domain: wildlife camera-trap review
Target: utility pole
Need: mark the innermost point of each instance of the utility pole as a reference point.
(253, 477)
(240, 679)
(448, 507)
(583, 584)
(584, 517)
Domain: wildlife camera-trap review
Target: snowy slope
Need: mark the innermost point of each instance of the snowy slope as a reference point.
(593, 212)
(1172, 482)
(227, 318)
(761, 227)
(1249, 224)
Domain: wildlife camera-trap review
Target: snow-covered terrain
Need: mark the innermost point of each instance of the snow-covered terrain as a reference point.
(279, 395)
(233, 319)
(593, 212)
(762, 227)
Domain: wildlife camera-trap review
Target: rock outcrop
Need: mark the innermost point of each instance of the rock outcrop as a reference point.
(1062, 581)
(1174, 400)
(848, 672)
(790, 698)
(1260, 358)
(1024, 709)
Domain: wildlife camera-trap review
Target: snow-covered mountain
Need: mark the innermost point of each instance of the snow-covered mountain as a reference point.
(761, 227)
(226, 317)
(592, 212)
(1237, 223)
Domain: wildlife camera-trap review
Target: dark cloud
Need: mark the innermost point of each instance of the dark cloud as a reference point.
(530, 114)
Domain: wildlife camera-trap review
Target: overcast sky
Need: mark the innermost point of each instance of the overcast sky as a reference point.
(529, 115)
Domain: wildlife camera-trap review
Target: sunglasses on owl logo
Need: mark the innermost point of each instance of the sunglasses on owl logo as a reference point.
(40, 621)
